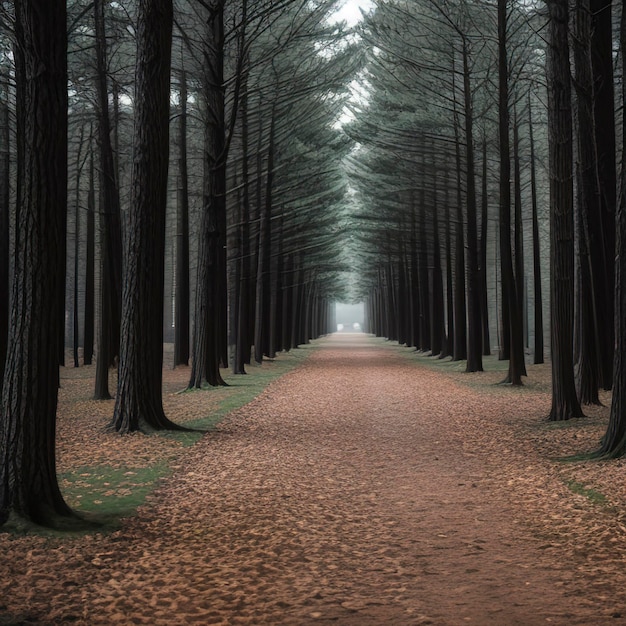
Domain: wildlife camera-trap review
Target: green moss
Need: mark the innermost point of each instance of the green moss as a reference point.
(594, 496)
(104, 494)
(111, 491)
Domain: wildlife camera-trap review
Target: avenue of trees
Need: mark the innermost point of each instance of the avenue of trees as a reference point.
(183, 171)
(487, 143)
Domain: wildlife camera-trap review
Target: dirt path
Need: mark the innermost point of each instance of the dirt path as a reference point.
(358, 489)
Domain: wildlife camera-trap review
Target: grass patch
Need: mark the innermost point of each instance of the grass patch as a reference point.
(106, 493)
(110, 490)
(593, 495)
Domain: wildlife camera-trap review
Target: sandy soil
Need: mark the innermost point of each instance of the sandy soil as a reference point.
(368, 486)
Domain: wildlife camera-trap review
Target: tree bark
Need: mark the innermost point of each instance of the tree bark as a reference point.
(614, 440)
(484, 223)
(602, 233)
(565, 403)
(138, 402)
(75, 308)
(110, 225)
(538, 317)
(88, 332)
(587, 339)
(459, 350)
(5, 165)
(261, 313)
(207, 330)
(510, 321)
(28, 481)
(181, 323)
(474, 328)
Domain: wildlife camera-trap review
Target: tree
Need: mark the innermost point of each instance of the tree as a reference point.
(138, 402)
(565, 403)
(207, 329)
(28, 481)
(587, 352)
(4, 224)
(603, 227)
(614, 440)
(511, 308)
(181, 337)
(110, 225)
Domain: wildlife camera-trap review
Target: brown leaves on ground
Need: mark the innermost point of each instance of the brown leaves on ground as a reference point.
(371, 485)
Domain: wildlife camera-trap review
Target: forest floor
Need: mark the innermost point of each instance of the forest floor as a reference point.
(367, 485)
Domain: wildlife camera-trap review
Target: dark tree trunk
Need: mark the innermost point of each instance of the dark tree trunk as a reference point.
(518, 330)
(449, 270)
(138, 402)
(474, 328)
(438, 327)
(414, 279)
(424, 290)
(520, 278)
(181, 322)
(110, 226)
(401, 299)
(538, 318)
(459, 351)
(88, 332)
(602, 227)
(261, 313)
(28, 481)
(275, 308)
(288, 278)
(564, 399)
(4, 228)
(511, 331)
(75, 308)
(586, 336)
(241, 252)
(614, 440)
(207, 330)
(484, 223)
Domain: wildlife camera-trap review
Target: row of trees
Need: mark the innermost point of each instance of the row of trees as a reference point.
(251, 93)
(459, 147)
(238, 154)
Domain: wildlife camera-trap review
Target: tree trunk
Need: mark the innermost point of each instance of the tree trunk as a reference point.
(207, 331)
(88, 332)
(538, 318)
(138, 402)
(181, 322)
(110, 226)
(263, 258)
(602, 227)
(75, 308)
(586, 336)
(449, 270)
(519, 241)
(484, 223)
(438, 327)
(5, 165)
(424, 291)
(474, 328)
(510, 322)
(614, 440)
(564, 400)
(459, 351)
(28, 481)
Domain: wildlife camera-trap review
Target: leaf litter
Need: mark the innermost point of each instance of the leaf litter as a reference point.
(369, 485)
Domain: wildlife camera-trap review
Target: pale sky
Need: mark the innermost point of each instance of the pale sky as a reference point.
(350, 10)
